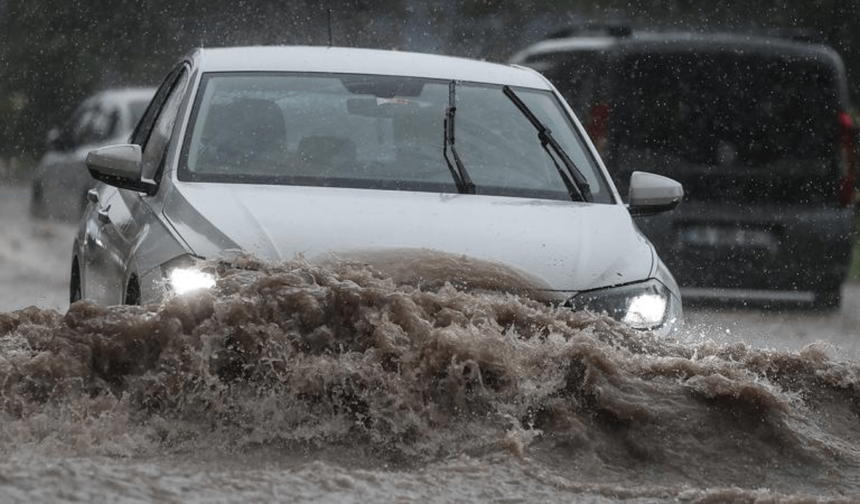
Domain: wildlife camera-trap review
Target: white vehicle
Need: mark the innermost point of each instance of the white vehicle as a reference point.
(60, 182)
(404, 160)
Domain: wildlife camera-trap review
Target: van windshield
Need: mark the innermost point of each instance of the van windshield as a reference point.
(726, 108)
(729, 126)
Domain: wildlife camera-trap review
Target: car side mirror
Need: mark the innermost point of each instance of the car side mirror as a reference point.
(652, 194)
(120, 166)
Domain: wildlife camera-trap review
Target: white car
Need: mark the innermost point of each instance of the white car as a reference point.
(412, 162)
(60, 182)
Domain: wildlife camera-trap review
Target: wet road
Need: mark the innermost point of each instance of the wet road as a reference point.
(34, 265)
(34, 255)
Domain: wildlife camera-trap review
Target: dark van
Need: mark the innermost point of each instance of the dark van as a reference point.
(758, 131)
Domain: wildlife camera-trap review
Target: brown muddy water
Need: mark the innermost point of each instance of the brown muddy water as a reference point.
(298, 383)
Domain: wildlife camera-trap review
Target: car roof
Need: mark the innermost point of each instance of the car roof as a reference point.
(362, 61)
(677, 41)
(124, 95)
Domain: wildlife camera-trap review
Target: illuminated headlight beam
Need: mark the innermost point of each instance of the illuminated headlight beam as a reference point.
(647, 305)
(184, 280)
(645, 310)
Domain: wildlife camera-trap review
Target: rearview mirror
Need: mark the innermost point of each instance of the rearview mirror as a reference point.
(119, 166)
(385, 108)
(368, 106)
(651, 194)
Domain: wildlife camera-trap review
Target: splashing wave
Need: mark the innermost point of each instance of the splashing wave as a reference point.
(321, 357)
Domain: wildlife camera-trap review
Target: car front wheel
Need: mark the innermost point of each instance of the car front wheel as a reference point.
(132, 292)
(75, 283)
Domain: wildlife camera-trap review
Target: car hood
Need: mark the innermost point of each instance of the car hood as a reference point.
(500, 242)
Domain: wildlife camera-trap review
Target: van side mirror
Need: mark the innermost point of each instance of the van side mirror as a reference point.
(652, 194)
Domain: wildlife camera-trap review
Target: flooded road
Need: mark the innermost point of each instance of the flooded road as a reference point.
(34, 255)
(297, 383)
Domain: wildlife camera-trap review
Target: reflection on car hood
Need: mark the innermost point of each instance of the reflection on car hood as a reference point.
(553, 245)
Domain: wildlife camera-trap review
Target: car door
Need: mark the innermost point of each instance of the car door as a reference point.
(126, 216)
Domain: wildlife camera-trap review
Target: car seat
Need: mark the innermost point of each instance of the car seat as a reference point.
(329, 155)
(247, 135)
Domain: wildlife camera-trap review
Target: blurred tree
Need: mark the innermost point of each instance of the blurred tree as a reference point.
(53, 54)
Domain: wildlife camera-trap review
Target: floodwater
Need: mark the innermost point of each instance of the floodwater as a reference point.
(298, 383)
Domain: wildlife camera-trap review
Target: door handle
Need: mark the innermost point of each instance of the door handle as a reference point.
(93, 195)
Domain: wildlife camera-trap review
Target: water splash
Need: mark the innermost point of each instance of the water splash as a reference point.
(342, 358)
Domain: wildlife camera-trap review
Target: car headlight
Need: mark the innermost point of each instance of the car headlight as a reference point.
(187, 280)
(184, 276)
(648, 305)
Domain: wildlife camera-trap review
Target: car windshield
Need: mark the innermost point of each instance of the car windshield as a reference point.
(379, 132)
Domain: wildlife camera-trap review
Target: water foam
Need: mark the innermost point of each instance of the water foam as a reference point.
(343, 359)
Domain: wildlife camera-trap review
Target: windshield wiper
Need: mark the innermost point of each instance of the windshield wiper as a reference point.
(574, 180)
(461, 176)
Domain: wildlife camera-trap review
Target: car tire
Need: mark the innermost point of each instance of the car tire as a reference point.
(132, 292)
(75, 283)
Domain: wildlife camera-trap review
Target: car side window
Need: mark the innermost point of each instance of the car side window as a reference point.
(154, 130)
(101, 122)
(144, 126)
(78, 130)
